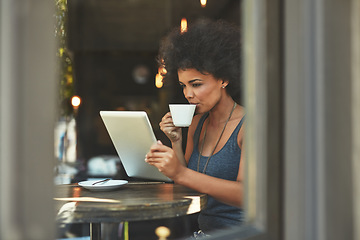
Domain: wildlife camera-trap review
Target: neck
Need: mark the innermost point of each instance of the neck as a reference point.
(220, 113)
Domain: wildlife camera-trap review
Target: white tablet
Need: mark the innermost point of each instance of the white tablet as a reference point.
(132, 136)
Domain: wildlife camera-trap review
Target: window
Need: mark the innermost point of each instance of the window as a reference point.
(301, 65)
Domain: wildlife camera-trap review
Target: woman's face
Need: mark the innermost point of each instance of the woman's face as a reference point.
(201, 89)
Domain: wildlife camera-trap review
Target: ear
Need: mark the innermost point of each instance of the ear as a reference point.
(224, 83)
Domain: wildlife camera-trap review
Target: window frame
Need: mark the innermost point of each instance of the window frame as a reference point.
(262, 81)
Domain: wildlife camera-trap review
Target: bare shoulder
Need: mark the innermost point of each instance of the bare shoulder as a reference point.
(241, 133)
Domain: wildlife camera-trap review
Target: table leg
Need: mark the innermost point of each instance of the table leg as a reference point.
(126, 230)
(95, 231)
(110, 231)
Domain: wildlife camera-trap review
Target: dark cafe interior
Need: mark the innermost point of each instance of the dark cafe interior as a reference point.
(63, 172)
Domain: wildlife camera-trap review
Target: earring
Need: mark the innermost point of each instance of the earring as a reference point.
(223, 86)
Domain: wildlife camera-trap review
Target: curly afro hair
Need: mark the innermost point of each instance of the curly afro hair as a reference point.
(211, 47)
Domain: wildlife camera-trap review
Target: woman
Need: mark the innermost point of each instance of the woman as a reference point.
(205, 60)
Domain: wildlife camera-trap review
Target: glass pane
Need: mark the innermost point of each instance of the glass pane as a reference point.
(109, 61)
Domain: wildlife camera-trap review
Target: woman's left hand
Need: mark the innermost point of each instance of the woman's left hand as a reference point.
(164, 159)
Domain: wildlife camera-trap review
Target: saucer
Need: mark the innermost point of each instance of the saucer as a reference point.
(109, 185)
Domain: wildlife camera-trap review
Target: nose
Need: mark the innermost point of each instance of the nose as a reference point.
(188, 93)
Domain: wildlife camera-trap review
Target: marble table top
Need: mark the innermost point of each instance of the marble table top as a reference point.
(131, 202)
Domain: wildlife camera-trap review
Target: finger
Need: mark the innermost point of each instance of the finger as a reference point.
(166, 117)
(155, 156)
(159, 167)
(152, 160)
(167, 123)
(164, 125)
(158, 164)
(156, 147)
(168, 129)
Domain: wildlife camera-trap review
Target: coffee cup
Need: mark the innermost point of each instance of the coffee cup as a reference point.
(182, 114)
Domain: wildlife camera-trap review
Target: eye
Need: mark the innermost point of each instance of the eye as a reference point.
(182, 85)
(196, 84)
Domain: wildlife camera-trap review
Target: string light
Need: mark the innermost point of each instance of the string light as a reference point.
(160, 75)
(75, 101)
(162, 71)
(158, 80)
(203, 3)
(183, 25)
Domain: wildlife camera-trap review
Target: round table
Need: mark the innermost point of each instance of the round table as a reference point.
(131, 202)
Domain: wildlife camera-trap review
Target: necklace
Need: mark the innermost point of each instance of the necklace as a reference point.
(202, 145)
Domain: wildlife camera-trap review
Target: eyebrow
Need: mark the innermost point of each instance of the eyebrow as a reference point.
(194, 80)
(191, 81)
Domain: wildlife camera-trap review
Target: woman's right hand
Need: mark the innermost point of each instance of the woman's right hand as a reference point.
(168, 127)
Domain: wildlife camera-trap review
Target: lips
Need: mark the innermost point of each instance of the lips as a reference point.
(197, 107)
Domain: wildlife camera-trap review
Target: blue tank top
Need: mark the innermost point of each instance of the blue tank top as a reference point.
(223, 164)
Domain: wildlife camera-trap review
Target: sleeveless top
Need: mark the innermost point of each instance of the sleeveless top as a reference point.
(223, 164)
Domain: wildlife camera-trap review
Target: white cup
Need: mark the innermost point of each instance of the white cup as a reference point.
(182, 114)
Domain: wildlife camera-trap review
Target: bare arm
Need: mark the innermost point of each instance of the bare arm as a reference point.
(169, 162)
(175, 136)
(177, 147)
(229, 192)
